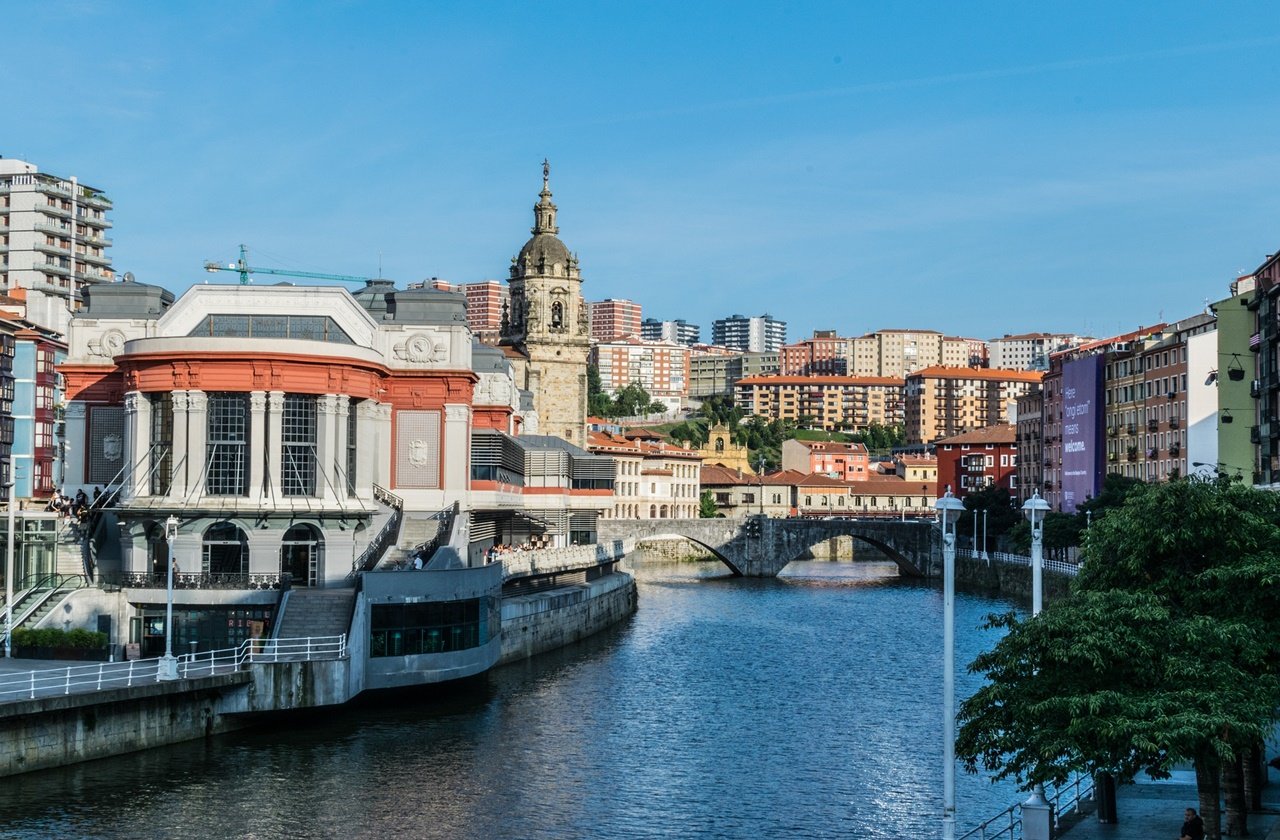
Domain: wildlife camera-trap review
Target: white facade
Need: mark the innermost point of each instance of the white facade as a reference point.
(1202, 404)
(1030, 351)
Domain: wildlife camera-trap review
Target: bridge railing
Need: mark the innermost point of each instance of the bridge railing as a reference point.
(1059, 566)
(525, 562)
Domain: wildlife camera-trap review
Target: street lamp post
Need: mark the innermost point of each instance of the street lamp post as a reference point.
(169, 665)
(8, 568)
(984, 535)
(949, 509)
(1037, 812)
(760, 481)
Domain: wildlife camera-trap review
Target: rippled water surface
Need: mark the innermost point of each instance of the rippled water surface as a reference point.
(803, 707)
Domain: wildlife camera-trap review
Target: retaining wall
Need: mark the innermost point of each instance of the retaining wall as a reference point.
(533, 624)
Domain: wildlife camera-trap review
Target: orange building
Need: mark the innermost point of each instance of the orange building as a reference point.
(941, 402)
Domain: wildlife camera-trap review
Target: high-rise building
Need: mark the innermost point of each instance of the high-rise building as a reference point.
(613, 319)
(486, 302)
(679, 331)
(826, 354)
(758, 334)
(52, 241)
(548, 326)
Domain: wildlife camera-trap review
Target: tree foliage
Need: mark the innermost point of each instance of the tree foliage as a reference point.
(631, 401)
(1168, 649)
(707, 506)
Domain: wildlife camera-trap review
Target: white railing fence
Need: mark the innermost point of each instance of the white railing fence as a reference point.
(1007, 825)
(1059, 566)
(45, 682)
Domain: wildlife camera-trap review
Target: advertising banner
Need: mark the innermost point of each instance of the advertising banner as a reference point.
(1083, 458)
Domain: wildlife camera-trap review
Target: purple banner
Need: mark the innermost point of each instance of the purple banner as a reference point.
(1083, 460)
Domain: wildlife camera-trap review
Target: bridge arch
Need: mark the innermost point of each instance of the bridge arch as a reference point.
(711, 549)
(906, 566)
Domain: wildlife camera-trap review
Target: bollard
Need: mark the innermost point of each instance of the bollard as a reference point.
(1104, 791)
(1037, 817)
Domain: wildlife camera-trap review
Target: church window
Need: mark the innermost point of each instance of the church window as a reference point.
(557, 315)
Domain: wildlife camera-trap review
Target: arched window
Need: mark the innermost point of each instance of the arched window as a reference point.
(557, 315)
(226, 550)
(653, 511)
(719, 444)
(302, 555)
(662, 514)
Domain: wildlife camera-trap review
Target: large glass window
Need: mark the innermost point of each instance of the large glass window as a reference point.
(298, 445)
(228, 445)
(308, 327)
(226, 550)
(301, 552)
(438, 627)
(161, 465)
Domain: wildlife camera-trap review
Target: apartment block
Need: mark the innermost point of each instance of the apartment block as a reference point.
(613, 319)
(758, 334)
(835, 403)
(52, 241)
(825, 354)
(655, 480)
(1029, 351)
(986, 457)
(679, 331)
(660, 367)
(897, 353)
(941, 402)
(1029, 437)
(715, 370)
(843, 461)
(486, 303)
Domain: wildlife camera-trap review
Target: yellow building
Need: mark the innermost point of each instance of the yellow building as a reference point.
(721, 451)
(947, 401)
(834, 403)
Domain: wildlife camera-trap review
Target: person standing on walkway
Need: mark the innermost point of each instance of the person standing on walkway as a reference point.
(1192, 826)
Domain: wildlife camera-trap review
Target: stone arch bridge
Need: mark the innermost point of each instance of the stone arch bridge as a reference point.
(760, 546)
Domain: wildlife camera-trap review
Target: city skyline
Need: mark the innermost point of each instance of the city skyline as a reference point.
(1089, 170)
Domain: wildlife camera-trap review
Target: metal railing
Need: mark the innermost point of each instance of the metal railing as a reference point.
(1059, 566)
(187, 580)
(49, 682)
(388, 534)
(1008, 823)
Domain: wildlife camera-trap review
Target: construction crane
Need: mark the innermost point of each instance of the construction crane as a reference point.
(242, 267)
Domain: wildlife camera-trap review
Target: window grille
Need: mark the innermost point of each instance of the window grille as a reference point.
(227, 448)
(161, 465)
(298, 445)
(352, 448)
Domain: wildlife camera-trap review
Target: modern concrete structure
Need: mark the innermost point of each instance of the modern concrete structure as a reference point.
(896, 353)
(53, 241)
(1029, 351)
(758, 334)
(614, 319)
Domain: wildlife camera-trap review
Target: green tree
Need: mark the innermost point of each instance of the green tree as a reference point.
(707, 506)
(1179, 657)
(997, 505)
(599, 404)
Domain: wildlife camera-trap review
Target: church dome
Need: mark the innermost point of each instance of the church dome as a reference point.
(544, 251)
(544, 247)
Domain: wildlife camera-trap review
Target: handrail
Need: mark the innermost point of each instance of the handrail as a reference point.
(1010, 818)
(386, 534)
(16, 686)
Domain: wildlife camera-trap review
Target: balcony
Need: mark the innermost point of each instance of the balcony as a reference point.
(1132, 453)
(1175, 450)
(1255, 388)
(1113, 431)
(56, 250)
(1255, 434)
(1153, 425)
(1153, 453)
(1133, 428)
(1112, 456)
(52, 268)
(50, 210)
(1174, 422)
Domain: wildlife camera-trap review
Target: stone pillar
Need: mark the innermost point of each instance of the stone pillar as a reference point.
(342, 407)
(455, 467)
(369, 449)
(77, 446)
(137, 448)
(257, 444)
(197, 435)
(275, 413)
(384, 435)
(326, 437)
(179, 463)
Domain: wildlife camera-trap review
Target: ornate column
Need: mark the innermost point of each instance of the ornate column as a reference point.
(137, 446)
(342, 407)
(369, 448)
(386, 446)
(76, 447)
(326, 437)
(257, 443)
(455, 457)
(275, 413)
(179, 463)
(197, 436)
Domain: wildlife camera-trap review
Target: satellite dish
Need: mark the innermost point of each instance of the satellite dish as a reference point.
(128, 277)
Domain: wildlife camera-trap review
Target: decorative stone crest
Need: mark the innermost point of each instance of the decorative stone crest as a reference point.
(112, 447)
(108, 345)
(422, 348)
(419, 452)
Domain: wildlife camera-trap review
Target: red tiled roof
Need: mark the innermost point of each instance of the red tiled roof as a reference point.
(1000, 433)
(768, 379)
(991, 374)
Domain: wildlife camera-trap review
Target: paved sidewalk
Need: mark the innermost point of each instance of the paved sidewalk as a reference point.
(1152, 810)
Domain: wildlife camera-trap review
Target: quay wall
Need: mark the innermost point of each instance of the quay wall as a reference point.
(1009, 580)
(56, 731)
(533, 624)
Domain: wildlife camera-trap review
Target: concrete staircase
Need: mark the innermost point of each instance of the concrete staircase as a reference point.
(416, 528)
(316, 612)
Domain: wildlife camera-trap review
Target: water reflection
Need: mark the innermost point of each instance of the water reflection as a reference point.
(802, 707)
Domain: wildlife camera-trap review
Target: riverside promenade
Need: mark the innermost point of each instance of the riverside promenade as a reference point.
(1152, 810)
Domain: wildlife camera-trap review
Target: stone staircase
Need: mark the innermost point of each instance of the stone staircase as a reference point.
(316, 612)
(416, 528)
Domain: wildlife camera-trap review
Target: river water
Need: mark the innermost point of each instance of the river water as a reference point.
(808, 706)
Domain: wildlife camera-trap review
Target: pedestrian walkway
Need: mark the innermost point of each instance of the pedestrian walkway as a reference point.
(1152, 810)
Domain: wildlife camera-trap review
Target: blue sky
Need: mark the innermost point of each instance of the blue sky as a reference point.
(976, 168)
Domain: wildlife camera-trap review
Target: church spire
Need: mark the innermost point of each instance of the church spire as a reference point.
(544, 212)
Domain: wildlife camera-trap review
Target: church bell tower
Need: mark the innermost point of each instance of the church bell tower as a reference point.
(546, 323)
